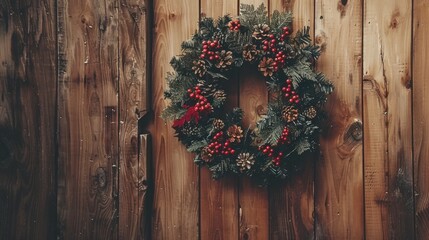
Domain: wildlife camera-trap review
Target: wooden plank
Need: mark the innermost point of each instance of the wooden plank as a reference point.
(253, 200)
(219, 198)
(175, 208)
(420, 115)
(27, 119)
(88, 119)
(387, 124)
(133, 97)
(339, 180)
(291, 202)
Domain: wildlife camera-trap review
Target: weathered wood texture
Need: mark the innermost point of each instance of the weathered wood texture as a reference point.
(420, 87)
(387, 120)
(134, 104)
(78, 101)
(27, 119)
(88, 119)
(176, 198)
(292, 203)
(339, 179)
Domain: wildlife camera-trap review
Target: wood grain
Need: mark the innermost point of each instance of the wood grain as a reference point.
(420, 114)
(133, 97)
(387, 124)
(175, 208)
(219, 198)
(88, 119)
(27, 119)
(339, 206)
(292, 202)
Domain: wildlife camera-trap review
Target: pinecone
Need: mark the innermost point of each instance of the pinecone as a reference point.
(266, 66)
(310, 112)
(219, 36)
(249, 52)
(207, 90)
(235, 133)
(245, 161)
(225, 59)
(289, 114)
(219, 95)
(206, 155)
(218, 124)
(199, 68)
(260, 31)
(189, 130)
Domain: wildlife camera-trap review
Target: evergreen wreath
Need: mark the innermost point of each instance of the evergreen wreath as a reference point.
(211, 58)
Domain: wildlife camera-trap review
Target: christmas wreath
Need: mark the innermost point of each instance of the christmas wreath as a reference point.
(213, 56)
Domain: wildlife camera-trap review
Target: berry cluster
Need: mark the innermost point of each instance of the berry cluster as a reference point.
(285, 33)
(234, 25)
(272, 47)
(202, 104)
(273, 153)
(284, 137)
(289, 94)
(210, 50)
(217, 146)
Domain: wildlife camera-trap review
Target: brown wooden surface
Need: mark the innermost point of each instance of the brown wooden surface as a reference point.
(175, 207)
(339, 179)
(388, 120)
(133, 86)
(88, 119)
(77, 104)
(219, 199)
(292, 203)
(420, 86)
(27, 119)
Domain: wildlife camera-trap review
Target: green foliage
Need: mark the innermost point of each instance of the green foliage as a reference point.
(280, 20)
(172, 112)
(249, 16)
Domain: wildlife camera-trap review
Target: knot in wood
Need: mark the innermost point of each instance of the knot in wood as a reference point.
(100, 178)
(356, 130)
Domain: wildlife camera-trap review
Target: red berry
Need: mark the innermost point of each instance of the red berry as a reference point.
(271, 36)
(202, 56)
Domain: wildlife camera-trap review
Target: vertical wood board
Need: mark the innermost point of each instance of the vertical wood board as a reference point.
(27, 119)
(388, 120)
(88, 119)
(176, 180)
(420, 114)
(133, 98)
(291, 202)
(219, 198)
(338, 185)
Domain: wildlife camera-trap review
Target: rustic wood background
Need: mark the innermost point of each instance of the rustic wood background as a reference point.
(84, 155)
